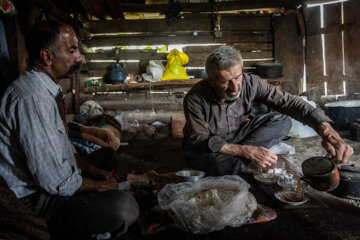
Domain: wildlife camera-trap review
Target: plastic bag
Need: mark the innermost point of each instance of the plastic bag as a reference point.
(174, 68)
(209, 204)
(92, 108)
(154, 71)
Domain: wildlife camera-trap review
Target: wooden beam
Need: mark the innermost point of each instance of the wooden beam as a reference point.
(114, 10)
(52, 9)
(227, 38)
(197, 56)
(163, 85)
(335, 29)
(243, 47)
(206, 7)
(127, 55)
(142, 85)
(199, 22)
(95, 8)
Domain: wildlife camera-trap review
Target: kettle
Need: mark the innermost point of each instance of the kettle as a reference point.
(321, 173)
(118, 73)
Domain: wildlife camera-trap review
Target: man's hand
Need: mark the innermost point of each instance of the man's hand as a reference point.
(91, 171)
(98, 186)
(99, 174)
(332, 142)
(257, 154)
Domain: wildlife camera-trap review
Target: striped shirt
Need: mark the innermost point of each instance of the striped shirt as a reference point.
(35, 152)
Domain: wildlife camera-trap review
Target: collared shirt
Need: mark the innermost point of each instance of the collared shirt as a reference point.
(35, 152)
(211, 122)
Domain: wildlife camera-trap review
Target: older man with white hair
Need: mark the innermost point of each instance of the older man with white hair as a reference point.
(221, 137)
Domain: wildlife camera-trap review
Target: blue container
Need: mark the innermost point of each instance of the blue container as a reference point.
(118, 73)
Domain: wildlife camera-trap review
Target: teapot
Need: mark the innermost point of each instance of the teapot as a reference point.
(321, 173)
(118, 73)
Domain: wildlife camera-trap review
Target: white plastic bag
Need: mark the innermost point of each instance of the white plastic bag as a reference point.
(209, 204)
(154, 71)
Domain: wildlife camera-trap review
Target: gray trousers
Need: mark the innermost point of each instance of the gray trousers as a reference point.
(264, 130)
(86, 213)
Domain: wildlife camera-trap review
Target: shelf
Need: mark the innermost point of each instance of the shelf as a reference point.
(158, 85)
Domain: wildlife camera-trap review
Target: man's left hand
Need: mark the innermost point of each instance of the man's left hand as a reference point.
(333, 143)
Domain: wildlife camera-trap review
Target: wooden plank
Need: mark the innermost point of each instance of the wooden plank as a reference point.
(332, 19)
(314, 60)
(134, 41)
(353, 87)
(333, 54)
(351, 12)
(161, 85)
(242, 47)
(352, 52)
(188, 22)
(108, 65)
(288, 47)
(333, 41)
(95, 8)
(142, 85)
(126, 55)
(312, 20)
(201, 62)
(201, 22)
(52, 9)
(334, 79)
(335, 29)
(335, 88)
(114, 11)
(332, 14)
(206, 7)
(94, 73)
(201, 57)
(246, 23)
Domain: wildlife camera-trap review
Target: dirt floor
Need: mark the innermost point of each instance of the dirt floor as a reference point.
(165, 155)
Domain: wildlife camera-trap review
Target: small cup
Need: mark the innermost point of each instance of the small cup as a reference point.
(294, 194)
(266, 172)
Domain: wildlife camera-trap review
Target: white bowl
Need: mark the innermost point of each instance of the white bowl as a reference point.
(189, 175)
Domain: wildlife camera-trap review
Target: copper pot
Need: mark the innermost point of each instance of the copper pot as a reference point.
(321, 173)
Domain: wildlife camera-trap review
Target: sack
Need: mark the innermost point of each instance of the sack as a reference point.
(209, 204)
(174, 68)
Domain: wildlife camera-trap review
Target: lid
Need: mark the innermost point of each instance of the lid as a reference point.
(317, 166)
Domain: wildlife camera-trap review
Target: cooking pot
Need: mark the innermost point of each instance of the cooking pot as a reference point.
(321, 173)
(349, 185)
(343, 113)
(269, 70)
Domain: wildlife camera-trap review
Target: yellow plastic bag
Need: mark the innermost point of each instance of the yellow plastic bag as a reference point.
(174, 69)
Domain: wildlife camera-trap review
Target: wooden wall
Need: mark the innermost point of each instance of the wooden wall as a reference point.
(251, 34)
(334, 59)
(288, 51)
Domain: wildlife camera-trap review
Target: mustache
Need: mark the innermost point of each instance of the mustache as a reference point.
(74, 67)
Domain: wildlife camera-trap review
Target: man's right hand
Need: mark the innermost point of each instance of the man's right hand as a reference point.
(98, 185)
(257, 154)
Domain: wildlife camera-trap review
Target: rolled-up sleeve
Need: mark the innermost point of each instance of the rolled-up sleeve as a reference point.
(49, 155)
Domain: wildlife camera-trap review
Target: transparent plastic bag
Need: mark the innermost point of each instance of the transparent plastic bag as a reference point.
(209, 204)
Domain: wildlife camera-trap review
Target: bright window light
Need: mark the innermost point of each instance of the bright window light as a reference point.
(325, 3)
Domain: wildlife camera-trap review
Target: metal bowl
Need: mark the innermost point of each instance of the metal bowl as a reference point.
(189, 175)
